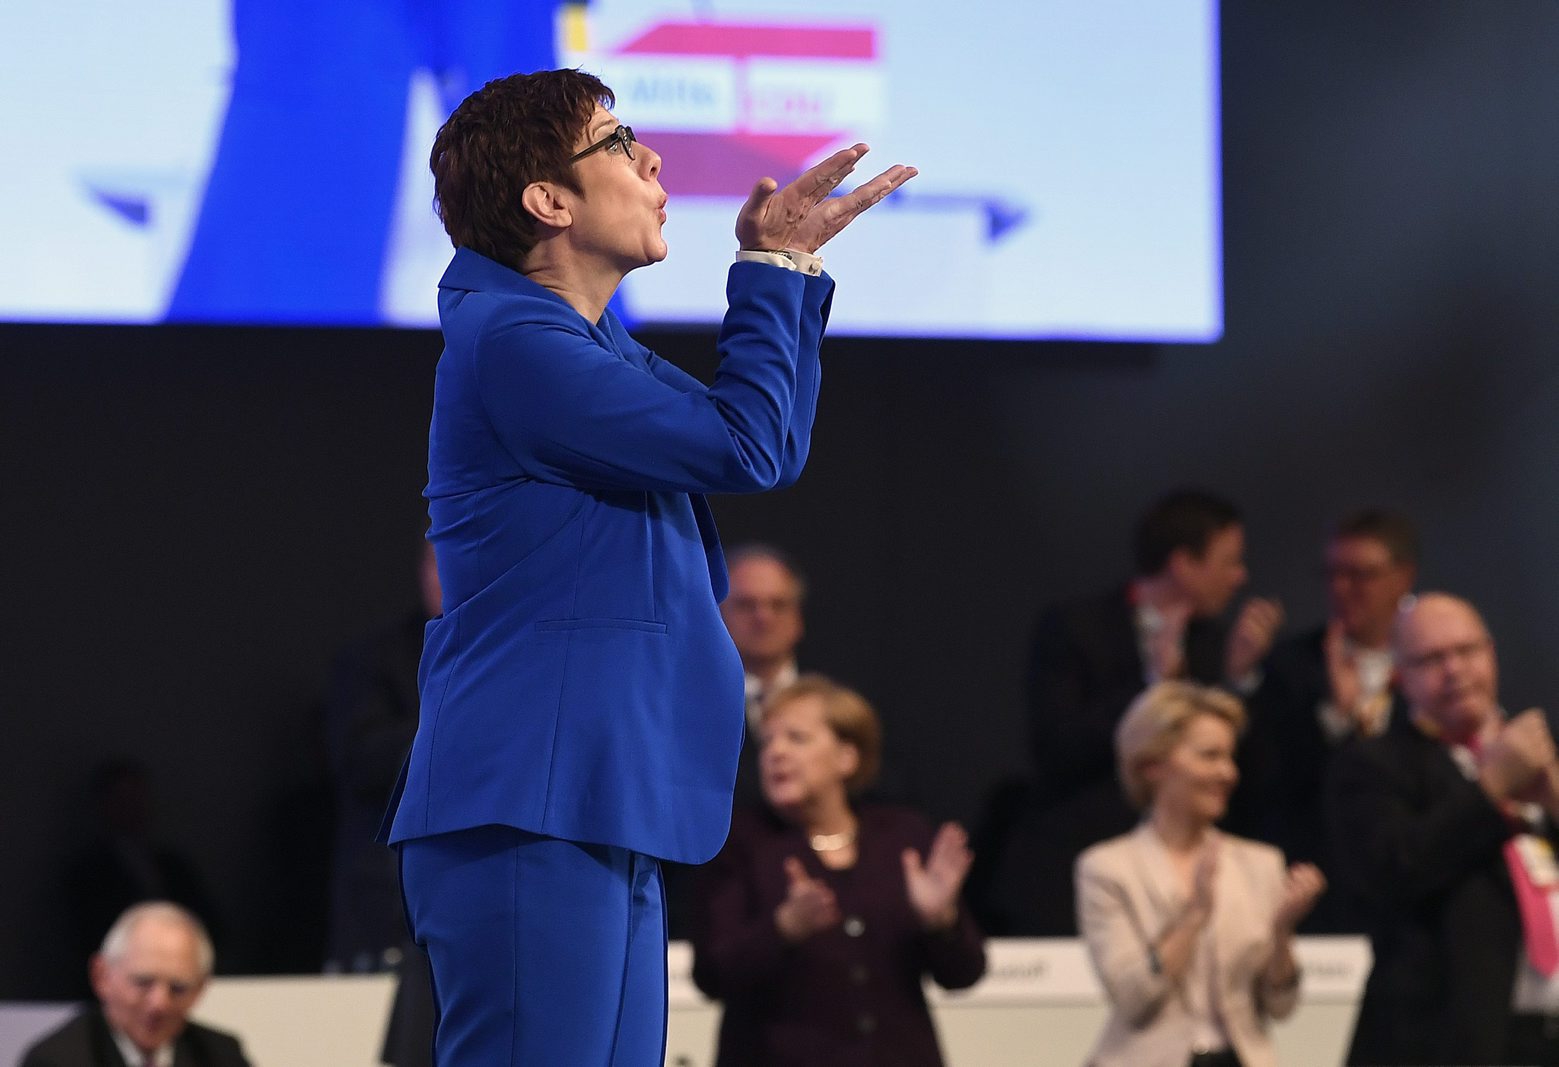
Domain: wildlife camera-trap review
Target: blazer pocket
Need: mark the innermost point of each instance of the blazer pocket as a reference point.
(640, 625)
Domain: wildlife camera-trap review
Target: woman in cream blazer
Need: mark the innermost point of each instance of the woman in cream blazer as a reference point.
(1190, 930)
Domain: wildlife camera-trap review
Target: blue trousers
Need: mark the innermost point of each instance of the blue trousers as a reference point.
(545, 953)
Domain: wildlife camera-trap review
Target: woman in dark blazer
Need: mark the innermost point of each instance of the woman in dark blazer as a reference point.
(818, 920)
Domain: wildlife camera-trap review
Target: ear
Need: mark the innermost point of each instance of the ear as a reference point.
(549, 203)
(1181, 567)
(97, 973)
(1152, 772)
(848, 760)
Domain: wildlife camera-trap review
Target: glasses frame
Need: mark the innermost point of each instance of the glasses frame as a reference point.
(622, 135)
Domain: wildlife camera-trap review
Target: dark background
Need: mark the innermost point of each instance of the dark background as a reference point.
(197, 519)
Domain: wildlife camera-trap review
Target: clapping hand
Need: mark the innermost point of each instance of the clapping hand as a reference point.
(805, 214)
(1342, 671)
(1255, 628)
(1517, 762)
(809, 905)
(1166, 643)
(1301, 889)
(933, 885)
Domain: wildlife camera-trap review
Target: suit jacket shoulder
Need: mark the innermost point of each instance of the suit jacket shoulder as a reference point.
(1096, 622)
(1101, 632)
(205, 1046)
(1108, 855)
(85, 1041)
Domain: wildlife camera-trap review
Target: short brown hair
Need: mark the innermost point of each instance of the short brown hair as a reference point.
(509, 133)
(1185, 518)
(1155, 723)
(847, 714)
(1396, 532)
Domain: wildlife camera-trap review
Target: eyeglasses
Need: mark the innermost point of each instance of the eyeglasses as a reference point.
(1357, 575)
(622, 135)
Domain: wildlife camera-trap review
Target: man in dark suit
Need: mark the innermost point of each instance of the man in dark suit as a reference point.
(1091, 657)
(763, 614)
(1324, 689)
(1444, 825)
(151, 970)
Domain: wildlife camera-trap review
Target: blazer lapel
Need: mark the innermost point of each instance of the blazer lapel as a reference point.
(1241, 941)
(1230, 917)
(184, 1054)
(105, 1051)
(1164, 895)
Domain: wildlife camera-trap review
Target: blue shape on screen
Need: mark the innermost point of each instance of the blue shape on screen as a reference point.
(133, 209)
(296, 216)
(1001, 216)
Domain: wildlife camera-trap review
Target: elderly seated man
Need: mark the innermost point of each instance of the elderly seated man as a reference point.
(151, 970)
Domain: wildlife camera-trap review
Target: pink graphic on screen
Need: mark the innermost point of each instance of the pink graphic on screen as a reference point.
(734, 100)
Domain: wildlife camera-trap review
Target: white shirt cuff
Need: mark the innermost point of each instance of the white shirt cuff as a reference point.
(789, 258)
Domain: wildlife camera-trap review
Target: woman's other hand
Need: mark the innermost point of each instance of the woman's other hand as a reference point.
(809, 906)
(933, 885)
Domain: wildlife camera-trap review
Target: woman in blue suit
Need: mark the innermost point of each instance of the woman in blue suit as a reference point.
(581, 700)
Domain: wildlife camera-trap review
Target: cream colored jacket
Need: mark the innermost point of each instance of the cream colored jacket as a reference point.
(1127, 895)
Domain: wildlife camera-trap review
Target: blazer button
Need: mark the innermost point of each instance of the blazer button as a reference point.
(859, 974)
(866, 1023)
(854, 927)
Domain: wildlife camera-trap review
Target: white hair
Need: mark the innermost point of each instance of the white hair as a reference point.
(117, 941)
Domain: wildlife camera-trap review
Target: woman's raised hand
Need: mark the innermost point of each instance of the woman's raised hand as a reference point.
(805, 214)
(933, 885)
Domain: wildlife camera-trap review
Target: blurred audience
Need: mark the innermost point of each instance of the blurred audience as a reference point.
(124, 863)
(1325, 688)
(819, 918)
(1444, 826)
(1190, 930)
(149, 973)
(1090, 659)
(370, 720)
(1378, 753)
(371, 717)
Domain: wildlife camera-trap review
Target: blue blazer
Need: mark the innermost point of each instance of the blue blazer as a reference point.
(580, 683)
